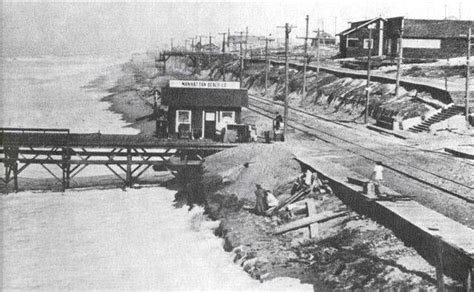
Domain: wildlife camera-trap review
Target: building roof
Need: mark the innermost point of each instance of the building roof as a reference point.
(429, 28)
(359, 24)
(204, 97)
(420, 28)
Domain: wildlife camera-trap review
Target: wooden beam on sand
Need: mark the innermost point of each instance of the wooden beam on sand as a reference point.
(321, 217)
(313, 227)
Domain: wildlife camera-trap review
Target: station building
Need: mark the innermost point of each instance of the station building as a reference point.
(201, 109)
(422, 38)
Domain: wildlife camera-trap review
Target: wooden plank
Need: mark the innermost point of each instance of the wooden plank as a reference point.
(357, 181)
(463, 154)
(321, 217)
(313, 228)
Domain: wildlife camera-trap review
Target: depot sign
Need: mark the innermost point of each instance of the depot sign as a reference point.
(204, 84)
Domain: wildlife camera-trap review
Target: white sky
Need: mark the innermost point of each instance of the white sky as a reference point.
(41, 27)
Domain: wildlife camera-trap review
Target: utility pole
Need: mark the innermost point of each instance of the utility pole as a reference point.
(267, 62)
(468, 73)
(171, 47)
(246, 39)
(192, 44)
(200, 42)
(210, 48)
(228, 37)
(285, 113)
(318, 42)
(366, 116)
(241, 73)
(223, 57)
(223, 40)
(186, 45)
(399, 60)
(305, 56)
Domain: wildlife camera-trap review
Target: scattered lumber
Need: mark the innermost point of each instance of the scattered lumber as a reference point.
(321, 217)
(357, 181)
(290, 200)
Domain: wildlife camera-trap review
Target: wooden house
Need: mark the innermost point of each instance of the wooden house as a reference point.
(201, 109)
(421, 38)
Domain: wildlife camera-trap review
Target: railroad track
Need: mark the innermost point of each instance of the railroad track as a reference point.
(398, 165)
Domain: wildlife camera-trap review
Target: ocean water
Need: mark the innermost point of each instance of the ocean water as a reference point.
(52, 92)
(106, 240)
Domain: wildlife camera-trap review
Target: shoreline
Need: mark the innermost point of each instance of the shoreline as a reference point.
(250, 237)
(225, 188)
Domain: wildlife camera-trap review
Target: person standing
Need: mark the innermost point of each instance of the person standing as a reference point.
(277, 121)
(377, 177)
(260, 204)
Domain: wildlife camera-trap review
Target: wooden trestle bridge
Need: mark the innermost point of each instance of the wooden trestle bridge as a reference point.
(126, 156)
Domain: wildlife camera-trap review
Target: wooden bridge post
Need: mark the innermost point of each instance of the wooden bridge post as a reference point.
(63, 168)
(68, 167)
(439, 265)
(468, 282)
(7, 168)
(15, 175)
(129, 167)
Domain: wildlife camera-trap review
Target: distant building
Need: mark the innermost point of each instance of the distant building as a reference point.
(253, 42)
(200, 109)
(324, 39)
(206, 47)
(422, 38)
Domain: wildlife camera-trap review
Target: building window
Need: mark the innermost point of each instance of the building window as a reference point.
(422, 43)
(210, 116)
(183, 121)
(367, 42)
(228, 117)
(353, 43)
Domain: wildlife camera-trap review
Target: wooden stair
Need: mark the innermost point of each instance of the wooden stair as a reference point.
(445, 114)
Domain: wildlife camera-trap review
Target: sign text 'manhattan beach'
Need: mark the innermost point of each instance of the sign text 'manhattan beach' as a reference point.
(204, 84)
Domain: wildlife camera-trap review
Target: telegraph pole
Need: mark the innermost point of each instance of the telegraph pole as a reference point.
(192, 44)
(246, 40)
(210, 48)
(186, 45)
(200, 42)
(267, 61)
(223, 57)
(468, 73)
(228, 37)
(285, 113)
(318, 51)
(223, 40)
(171, 47)
(305, 56)
(366, 116)
(399, 60)
(241, 74)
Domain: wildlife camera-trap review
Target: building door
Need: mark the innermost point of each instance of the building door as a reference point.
(209, 125)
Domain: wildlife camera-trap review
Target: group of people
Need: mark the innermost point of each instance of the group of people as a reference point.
(264, 200)
(309, 181)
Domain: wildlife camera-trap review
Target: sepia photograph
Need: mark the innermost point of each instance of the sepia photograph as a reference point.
(201, 145)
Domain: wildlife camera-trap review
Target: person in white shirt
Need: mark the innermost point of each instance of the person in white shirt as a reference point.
(377, 177)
